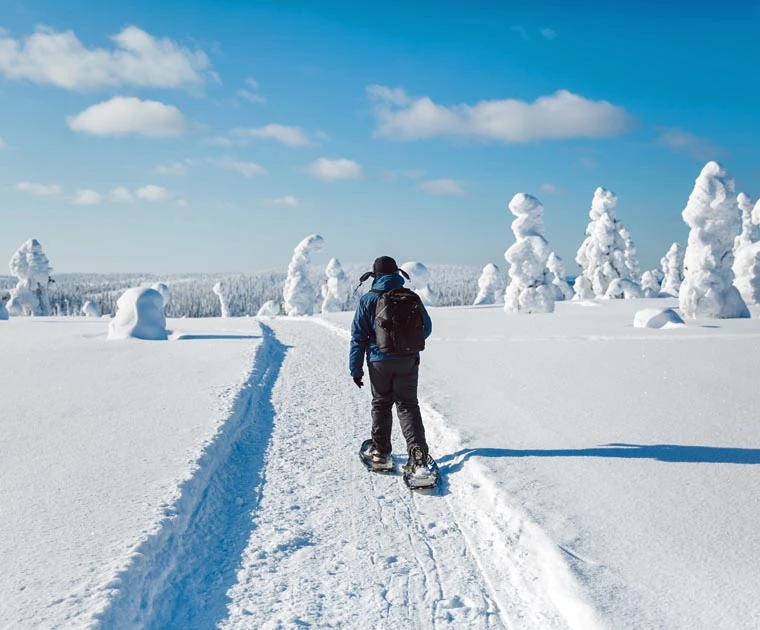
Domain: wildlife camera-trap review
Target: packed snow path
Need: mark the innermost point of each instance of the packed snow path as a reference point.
(319, 541)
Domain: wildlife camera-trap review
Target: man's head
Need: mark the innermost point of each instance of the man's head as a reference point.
(383, 266)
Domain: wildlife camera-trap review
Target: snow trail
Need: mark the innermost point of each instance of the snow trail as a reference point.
(178, 576)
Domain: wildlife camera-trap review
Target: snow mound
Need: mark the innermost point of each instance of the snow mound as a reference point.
(139, 314)
(657, 318)
(90, 309)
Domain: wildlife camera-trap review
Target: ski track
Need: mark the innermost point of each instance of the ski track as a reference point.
(280, 525)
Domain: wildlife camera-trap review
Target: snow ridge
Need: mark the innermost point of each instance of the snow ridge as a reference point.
(179, 576)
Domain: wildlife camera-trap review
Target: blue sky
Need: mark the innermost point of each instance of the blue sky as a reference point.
(213, 136)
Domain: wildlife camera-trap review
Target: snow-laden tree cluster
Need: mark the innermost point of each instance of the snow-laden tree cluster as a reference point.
(139, 314)
(530, 289)
(672, 270)
(336, 292)
(298, 294)
(490, 286)
(712, 213)
(420, 281)
(650, 283)
(32, 268)
(556, 267)
(607, 256)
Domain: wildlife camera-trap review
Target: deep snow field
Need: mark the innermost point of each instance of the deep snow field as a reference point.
(596, 475)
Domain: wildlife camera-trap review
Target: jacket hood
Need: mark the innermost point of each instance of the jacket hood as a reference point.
(388, 281)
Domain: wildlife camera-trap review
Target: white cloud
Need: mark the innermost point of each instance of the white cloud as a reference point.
(561, 116)
(687, 142)
(122, 116)
(449, 187)
(332, 170)
(219, 141)
(151, 192)
(137, 59)
(289, 136)
(252, 83)
(40, 190)
(288, 200)
(120, 194)
(174, 169)
(548, 33)
(249, 169)
(246, 95)
(87, 198)
(551, 189)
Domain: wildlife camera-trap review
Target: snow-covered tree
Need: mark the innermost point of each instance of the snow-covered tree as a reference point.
(166, 294)
(623, 289)
(336, 292)
(5, 296)
(747, 270)
(30, 265)
(220, 289)
(271, 308)
(299, 296)
(556, 267)
(650, 284)
(748, 234)
(672, 270)
(490, 286)
(139, 314)
(633, 271)
(602, 255)
(420, 282)
(530, 290)
(90, 309)
(712, 213)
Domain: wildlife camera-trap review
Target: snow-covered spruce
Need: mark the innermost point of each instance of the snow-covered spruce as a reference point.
(490, 286)
(556, 266)
(139, 314)
(749, 231)
(650, 284)
(166, 294)
(90, 309)
(633, 271)
(602, 255)
(298, 294)
(5, 296)
(530, 290)
(747, 270)
(420, 282)
(220, 290)
(270, 308)
(743, 262)
(336, 292)
(712, 213)
(32, 268)
(672, 270)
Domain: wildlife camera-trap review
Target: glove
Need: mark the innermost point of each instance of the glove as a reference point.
(358, 381)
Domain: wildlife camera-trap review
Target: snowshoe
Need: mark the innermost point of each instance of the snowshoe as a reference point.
(421, 473)
(373, 460)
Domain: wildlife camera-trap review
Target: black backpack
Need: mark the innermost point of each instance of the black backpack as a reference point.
(399, 322)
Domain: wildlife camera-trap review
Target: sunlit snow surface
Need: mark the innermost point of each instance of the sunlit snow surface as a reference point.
(594, 475)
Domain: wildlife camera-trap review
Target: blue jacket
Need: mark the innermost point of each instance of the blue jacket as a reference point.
(363, 327)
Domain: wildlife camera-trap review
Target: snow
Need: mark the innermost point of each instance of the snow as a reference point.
(139, 314)
(657, 318)
(747, 270)
(270, 308)
(220, 289)
(30, 265)
(90, 309)
(650, 284)
(490, 286)
(712, 213)
(556, 266)
(298, 294)
(213, 480)
(672, 270)
(420, 281)
(336, 292)
(530, 289)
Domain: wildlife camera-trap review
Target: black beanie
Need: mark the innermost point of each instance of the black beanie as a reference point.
(384, 265)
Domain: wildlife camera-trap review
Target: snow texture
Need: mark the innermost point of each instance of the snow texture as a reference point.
(90, 309)
(672, 270)
(420, 282)
(650, 284)
(336, 292)
(5, 296)
(32, 268)
(271, 308)
(139, 314)
(747, 270)
(657, 318)
(530, 289)
(220, 289)
(607, 253)
(712, 213)
(298, 294)
(490, 286)
(556, 266)
(623, 289)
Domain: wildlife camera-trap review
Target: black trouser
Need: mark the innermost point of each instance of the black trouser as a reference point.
(395, 381)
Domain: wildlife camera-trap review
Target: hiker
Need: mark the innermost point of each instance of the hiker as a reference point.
(393, 374)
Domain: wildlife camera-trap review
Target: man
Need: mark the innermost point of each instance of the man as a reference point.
(393, 378)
